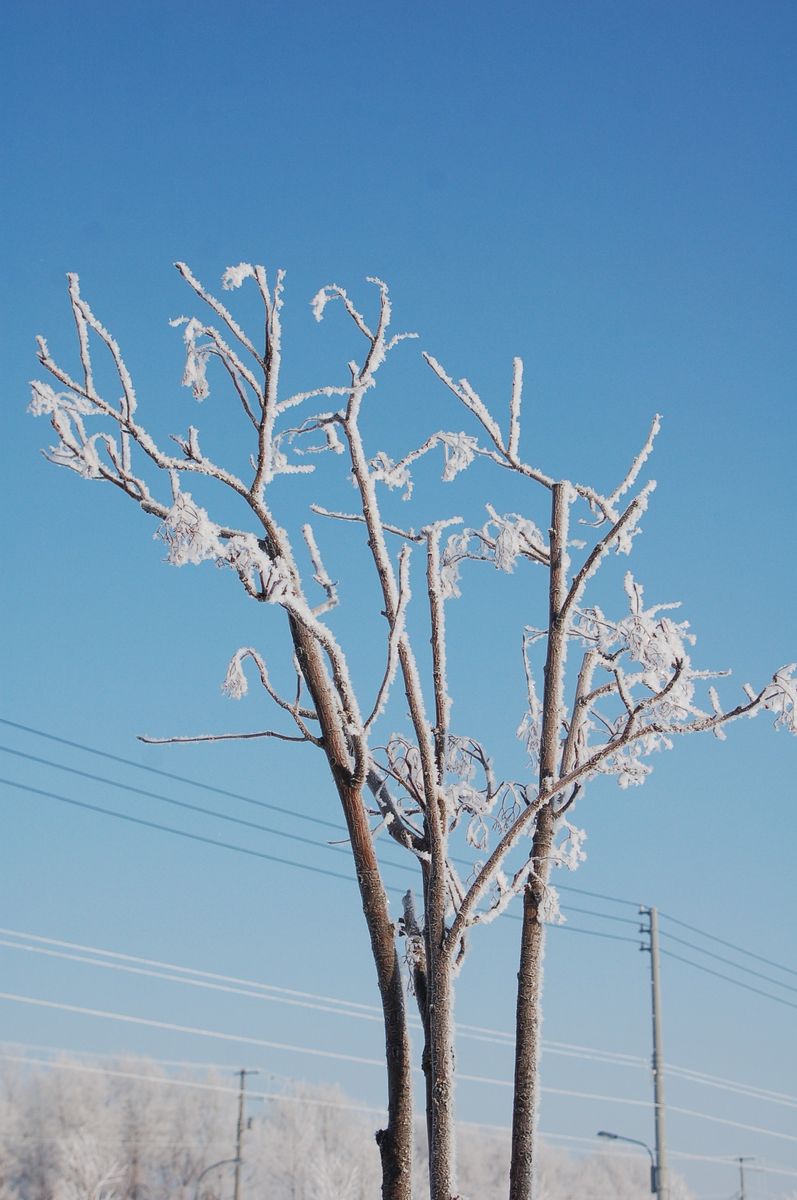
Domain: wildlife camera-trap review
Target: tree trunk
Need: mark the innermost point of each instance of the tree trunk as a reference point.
(441, 1029)
(396, 1140)
(528, 1022)
(442, 1148)
(528, 1026)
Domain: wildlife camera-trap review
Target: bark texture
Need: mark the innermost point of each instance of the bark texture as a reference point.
(396, 1140)
(528, 1021)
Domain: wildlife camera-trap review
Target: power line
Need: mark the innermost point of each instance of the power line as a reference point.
(302, 1098)
(221, 816)
(122, 1057)
(732, 1085)
(729, 962)
(748, 987)
(770, 962)
(194, 837)
(197, 783)
(339, 1007)
(272, 992)
(591, 912)
(248, 850)
(361, 1060)
(324, 845)
(197, 808)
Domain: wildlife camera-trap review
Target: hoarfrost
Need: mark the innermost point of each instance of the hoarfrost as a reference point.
(196, 359)
(233, 277)
(189, 533)
(235, 684)
(459, 450)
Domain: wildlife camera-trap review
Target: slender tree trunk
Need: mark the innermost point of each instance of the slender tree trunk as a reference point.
(443, 1143)
(528, 1023)
(442, 1148)
(396, 1140)
(420, 982)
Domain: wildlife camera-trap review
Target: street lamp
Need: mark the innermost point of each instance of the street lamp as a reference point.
(618, 1137)
(221, 1163)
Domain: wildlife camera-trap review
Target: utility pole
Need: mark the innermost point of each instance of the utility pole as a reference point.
(242, 1074)
(662, 1180)
(741, 1161)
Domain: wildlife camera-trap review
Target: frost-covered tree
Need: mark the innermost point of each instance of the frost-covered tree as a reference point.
(602, 691)
(128, 1131)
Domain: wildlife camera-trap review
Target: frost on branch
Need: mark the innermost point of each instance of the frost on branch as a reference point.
(235, 684)
(189, 533)
(530, 729)
(569, 853)
(394, 475)
(780, 697)
(196, 357)
(45, 401)
(502, 540)
(459, 451)
(233, 277)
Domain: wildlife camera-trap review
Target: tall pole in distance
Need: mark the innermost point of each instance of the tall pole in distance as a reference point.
(242, 1074)
(741, 1161)
(657, 1062)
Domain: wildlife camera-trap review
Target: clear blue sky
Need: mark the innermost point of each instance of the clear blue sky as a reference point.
(607, 190)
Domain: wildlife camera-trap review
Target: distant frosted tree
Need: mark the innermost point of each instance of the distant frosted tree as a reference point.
(603, 691)
(126, 1120)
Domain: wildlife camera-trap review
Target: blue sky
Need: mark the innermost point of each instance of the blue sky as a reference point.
(607, 190)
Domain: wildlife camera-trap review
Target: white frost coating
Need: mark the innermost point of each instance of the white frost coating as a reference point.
(395, 475)
(235, 683)
(455, 550)
(233, 277)
(196, 357)
(281, 464)
(549, 910)
(333, 291)
(630, 530)
(569, 853)
(719, 732)
(79, 457)
(83, 313)
(510, 536)
(530, 728)
(514, 407)
(244, 554)
(320, 572)
(638, 463)
(459, 451)
(322, 298)
(189, 533)
(397, 631)
(780, 697)
(44, 400)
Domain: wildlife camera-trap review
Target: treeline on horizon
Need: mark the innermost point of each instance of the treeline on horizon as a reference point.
(128, 1130)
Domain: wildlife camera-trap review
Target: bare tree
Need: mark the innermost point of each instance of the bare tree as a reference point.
(479, 839)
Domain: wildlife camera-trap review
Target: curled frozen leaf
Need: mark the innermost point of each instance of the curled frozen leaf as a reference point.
(196, 357)
(235, 685)
(459, 451)
(233, 277)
